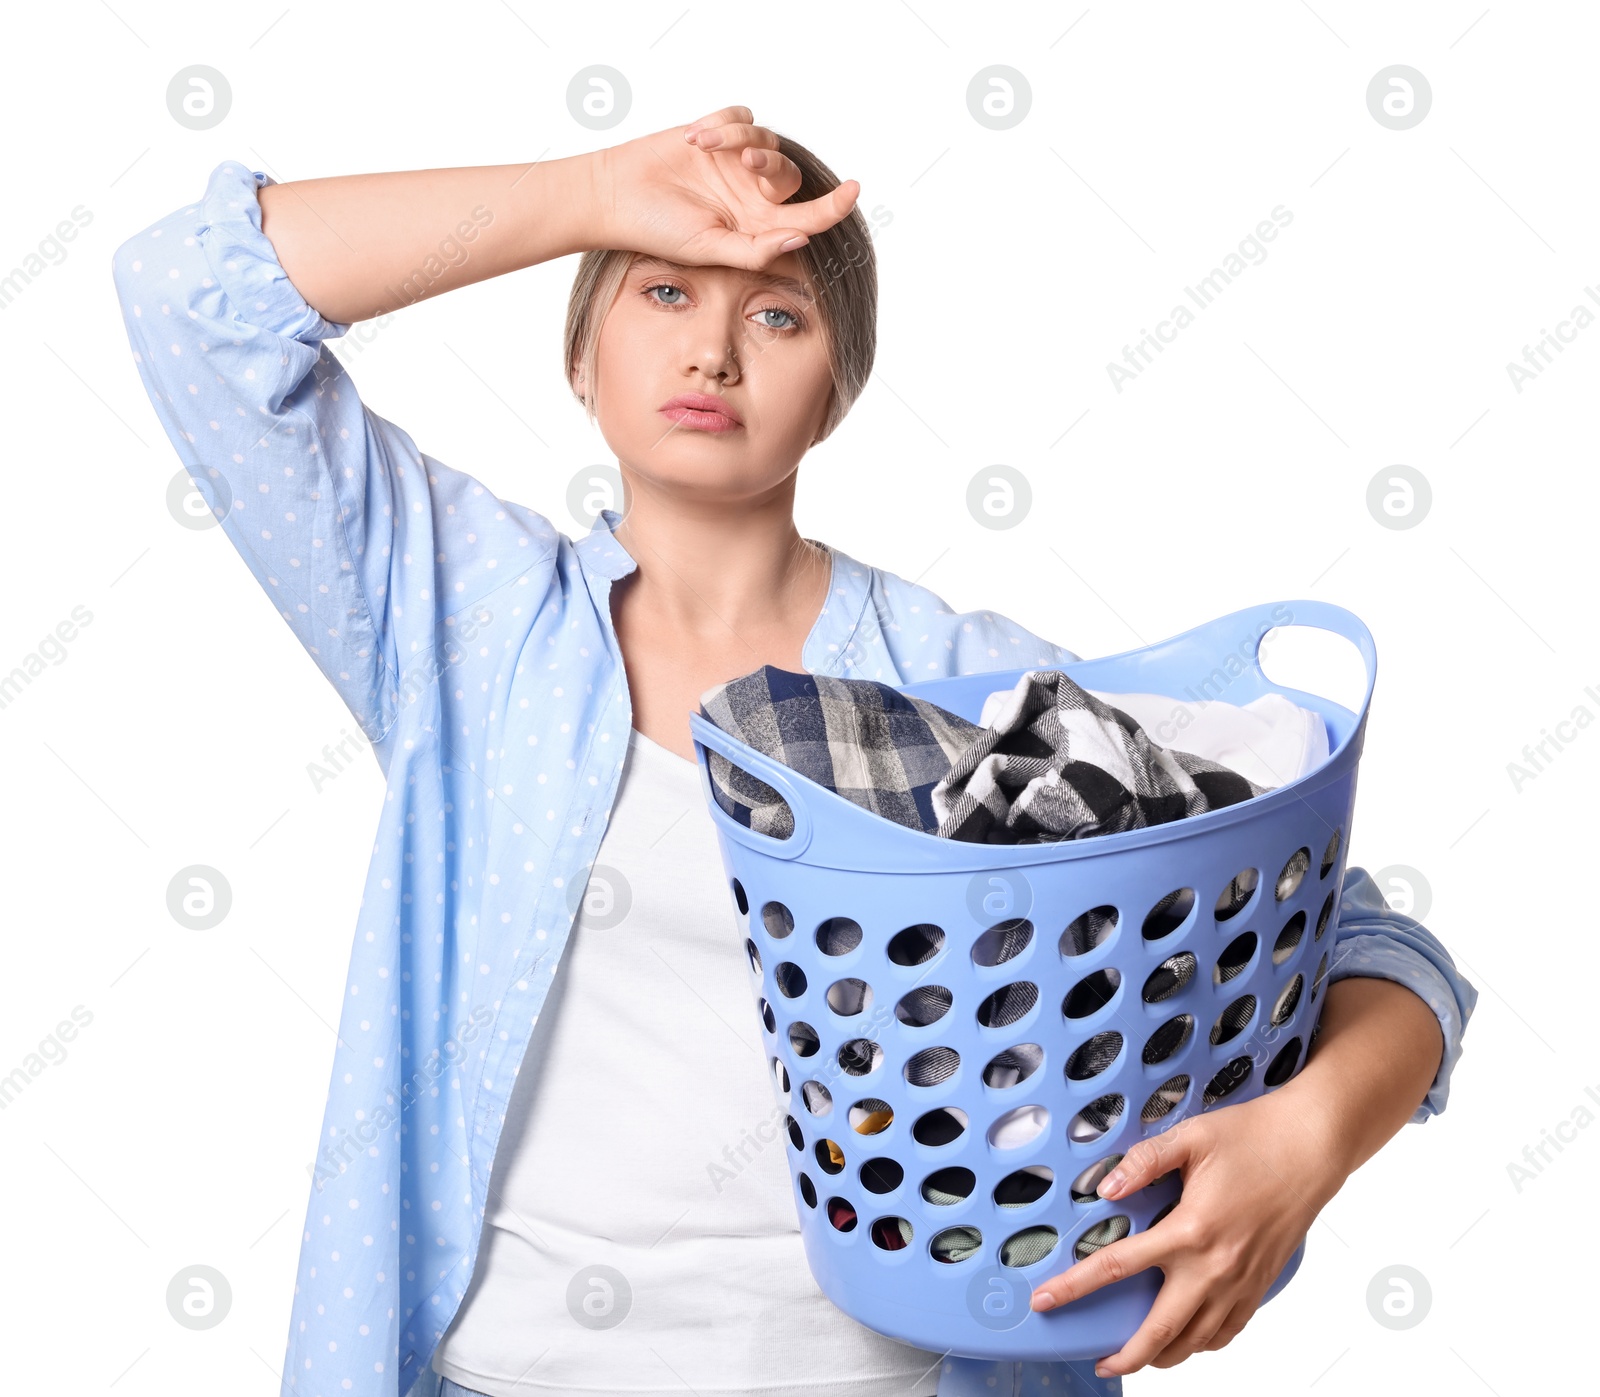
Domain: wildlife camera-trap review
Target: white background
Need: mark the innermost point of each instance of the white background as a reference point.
(1014, 264)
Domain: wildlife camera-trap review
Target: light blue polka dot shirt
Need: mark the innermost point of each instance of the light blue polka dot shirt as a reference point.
(473, 643)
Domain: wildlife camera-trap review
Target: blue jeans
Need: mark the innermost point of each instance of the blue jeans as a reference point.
(970, 1377)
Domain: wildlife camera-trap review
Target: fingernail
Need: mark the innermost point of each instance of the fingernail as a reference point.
(792, 243)
(1112, 1181)
(1101, 1371)
(1043, 1300)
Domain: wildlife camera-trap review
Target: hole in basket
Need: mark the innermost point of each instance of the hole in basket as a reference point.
(944, 1187)
(1102, 1234)
(1170, 976)
(767, 1016)
(1013, 1065)
(1330, 855)
(1232, 1076)
(791, 980)
(1237, 893)
(1235, 957)
(916, 945)
(870, 1116)
(838, 936)
(803, 1039)
(1162, 1211)
(1018, 1127)
(1091, 994)
(1164, 1099)
(892, 1234)
(739, 897)
(1030, 1245)
(881, 1175)
(932, 1066)
(808, 1190)
(849, 997)
(1316, 984)
(924, 1005)
(1288, 938)
(795, 1137)
(830, 1157)
(841, 1214)
(1281, 1068)
(860, 1056)
(1087, 931)
(780, 1074)
(1085, 1188)
(1008, 1004)
(940, 1127)
(1167, 1039)
(1322, 917)
(955, 1244)
(778, 920)
(1096, 1118)
(1002, 942)
(755, 955)
(1293, 872)
(1285, 1006)
(818, 1099)
(1232, 1020)
(1169, 914)
(1024, 1186)
(1092, 1058)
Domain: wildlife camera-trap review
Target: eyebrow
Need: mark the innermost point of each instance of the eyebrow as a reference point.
(781, 283)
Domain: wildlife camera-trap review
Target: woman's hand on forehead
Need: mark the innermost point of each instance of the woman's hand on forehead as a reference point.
(709, 193)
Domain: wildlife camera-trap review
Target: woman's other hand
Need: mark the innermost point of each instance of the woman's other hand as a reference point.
(1255, 1176)
(708, 194)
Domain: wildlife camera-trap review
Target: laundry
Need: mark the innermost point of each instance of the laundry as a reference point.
(1050, 760)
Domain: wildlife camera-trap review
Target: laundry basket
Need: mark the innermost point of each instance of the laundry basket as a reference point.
(929, 1003)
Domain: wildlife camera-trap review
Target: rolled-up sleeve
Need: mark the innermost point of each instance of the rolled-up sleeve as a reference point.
(269, 427)
(1376, 941)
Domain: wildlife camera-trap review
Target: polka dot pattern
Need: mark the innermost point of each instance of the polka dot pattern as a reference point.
(473, 642)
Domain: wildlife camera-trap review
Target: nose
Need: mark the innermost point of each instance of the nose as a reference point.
(711, 340)
(716, 360)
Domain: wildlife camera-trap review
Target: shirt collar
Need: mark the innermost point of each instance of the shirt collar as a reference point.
(602, 554)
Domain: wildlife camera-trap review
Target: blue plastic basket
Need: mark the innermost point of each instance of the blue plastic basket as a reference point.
(838, 914)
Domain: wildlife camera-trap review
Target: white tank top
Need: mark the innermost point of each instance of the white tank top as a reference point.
(641, 1235)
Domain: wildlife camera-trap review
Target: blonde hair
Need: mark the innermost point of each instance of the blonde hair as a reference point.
(838, 264)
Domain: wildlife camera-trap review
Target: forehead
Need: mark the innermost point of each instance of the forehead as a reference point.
(784, 273)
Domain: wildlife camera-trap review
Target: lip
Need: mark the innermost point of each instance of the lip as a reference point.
(702, 412)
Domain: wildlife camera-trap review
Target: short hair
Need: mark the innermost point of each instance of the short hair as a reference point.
(839, 264)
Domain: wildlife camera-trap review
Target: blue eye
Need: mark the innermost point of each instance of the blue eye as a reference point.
(794, 321)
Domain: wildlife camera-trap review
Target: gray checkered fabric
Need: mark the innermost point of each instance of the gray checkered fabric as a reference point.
(1054, 763)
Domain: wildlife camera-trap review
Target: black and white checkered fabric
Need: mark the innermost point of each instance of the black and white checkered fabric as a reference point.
(1054, 763)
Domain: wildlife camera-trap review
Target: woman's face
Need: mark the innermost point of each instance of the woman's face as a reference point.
(751, 341)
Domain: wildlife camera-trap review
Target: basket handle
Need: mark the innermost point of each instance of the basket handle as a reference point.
(707, 734)
(1223, 634)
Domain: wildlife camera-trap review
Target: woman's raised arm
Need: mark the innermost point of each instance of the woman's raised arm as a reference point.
(341, 519)
(357, 246)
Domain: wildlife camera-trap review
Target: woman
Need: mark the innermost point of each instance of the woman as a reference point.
(526, 696)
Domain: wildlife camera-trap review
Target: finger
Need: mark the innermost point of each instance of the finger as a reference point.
(1196, 1333)
(718, 118)
(1229, 1330)
(734, 135)
(1169, 1317)
(727, 248)
(779, 175)
(1147, 1160)
(819, 214)
(1110, 1264)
